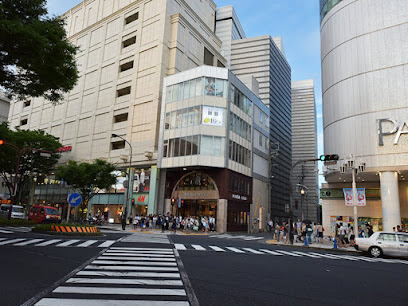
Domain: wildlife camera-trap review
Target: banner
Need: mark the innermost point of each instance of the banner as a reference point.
(212, 116)
(348, 196)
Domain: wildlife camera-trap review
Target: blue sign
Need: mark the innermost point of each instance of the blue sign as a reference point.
(74, 199)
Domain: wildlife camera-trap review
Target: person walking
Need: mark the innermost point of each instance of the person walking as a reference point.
(342, 230)
(270, 225)
(134, 223)
(123, 222)
(370, 231)
(319, 233)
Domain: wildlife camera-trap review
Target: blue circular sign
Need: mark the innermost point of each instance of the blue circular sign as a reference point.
(74, 199)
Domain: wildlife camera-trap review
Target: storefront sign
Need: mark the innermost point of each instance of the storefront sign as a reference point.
(212, 116)
(239, 197)
(196, 194)
(337, 193)
(348, 196)
(397, 129)
(141, 199)
(65, 149)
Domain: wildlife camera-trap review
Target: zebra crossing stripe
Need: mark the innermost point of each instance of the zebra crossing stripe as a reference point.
(142, 255)
(235, 250)
(28, 242)
(12, 241)
(136, 264)
(114, 253)
(148, 263)
(252, 251)
(126, 252)
(152, 282)
(86, 243)
(271, 252)
(180, 246)
(289, 253)
(83, 302)
(324, 255)
(138, 258)
(45, 243)
(129, 274)
(1, 239)
(5, 232)
(126, 268)
(307, 254)
(253, 238)
(198, 247)
(138, 249)
(67, 243)
(215, 248)
(106, 244)
(121, 291)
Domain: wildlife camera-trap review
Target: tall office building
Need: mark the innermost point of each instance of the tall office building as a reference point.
(304, 146)
(365, 89)
(4, 107)
(261, 58)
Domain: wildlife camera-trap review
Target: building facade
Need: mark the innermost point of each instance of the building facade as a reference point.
(304, 146)
(364, 79)
(4, 112)
(206, 147)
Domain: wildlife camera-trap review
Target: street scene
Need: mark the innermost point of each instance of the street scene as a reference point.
(203, 152)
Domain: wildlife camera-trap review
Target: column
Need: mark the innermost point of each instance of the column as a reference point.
(390, 200)
(153, 191)
(221, 219)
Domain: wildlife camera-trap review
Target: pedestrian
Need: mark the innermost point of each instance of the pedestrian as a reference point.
(270, 225)
(320, 232)
(134, 223)
(352, 236)
(360, 232)
(277, 230)
(370, 230)
(130, 219)
(342, 230)
(299, 228)
(123, 222)
(399, 229)
(174, 225)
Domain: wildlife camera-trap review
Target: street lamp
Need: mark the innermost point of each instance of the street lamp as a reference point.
(129, 189)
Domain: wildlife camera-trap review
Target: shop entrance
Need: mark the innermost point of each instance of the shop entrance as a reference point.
(198, 208)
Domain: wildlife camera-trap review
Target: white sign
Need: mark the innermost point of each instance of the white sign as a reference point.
(212, 115)
(348, 196)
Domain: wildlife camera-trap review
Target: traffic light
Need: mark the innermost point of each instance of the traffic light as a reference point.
(133, 201)
(329, 157)
(1, 142)
(173, 201)
(182, 201)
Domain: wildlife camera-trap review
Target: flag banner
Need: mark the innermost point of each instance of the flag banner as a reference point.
(348, 196)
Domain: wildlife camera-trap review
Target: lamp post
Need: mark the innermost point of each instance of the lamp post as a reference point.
(20, 152)
(129, 189)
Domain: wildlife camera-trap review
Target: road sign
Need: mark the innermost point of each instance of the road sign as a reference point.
(286, 208)
(74, 199)
(125, 183)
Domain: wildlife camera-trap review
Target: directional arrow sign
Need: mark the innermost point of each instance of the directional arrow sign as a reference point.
(75, 199)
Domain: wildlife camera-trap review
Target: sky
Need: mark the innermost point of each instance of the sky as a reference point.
(296, 21)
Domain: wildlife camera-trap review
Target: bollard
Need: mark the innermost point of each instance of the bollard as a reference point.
(306, 244)
(334, 243)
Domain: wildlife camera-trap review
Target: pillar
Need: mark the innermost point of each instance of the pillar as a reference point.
(221, 219)
(153, 191)
(390, 200)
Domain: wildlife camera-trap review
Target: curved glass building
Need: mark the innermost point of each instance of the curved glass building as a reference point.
(326, 6)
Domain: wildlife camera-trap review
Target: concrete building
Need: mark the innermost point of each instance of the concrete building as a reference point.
(304, 146)
(207, 138)
(260, 57)
(4, 112)
(365, 89)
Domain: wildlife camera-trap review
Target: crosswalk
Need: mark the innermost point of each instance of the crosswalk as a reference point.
(296, 254)
(12, 229)
(242, 237)
(147, 238)
(21, 242)
(124, 276)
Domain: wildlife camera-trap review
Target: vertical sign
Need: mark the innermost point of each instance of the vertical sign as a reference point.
(348, 196)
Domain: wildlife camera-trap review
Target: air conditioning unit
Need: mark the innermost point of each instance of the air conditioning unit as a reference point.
(343, 169)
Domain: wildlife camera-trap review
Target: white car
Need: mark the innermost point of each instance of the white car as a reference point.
(16, 213)
(384, 243)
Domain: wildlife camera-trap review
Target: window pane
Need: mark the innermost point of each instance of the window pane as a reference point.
(185, 117)
(199, 87)
(169, 94)
(403, 238)
(173, 119)
(207, 143)
(182, 147)
(180, 92)
(197, 115)
(171, 148)
(177, 147)
(167, 121)
(217, 146)
(188, 145)
(186, 90)
(190, 116)
(209, 86)
(175, 92)
(219, 87)
(195, 144)
(179, 114)
(389, 237)
(165, 148)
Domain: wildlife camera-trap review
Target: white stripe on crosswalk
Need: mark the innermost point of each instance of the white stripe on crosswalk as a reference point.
(198, 247)
(133, 264)
(142, 255)
(119, 268)
(252, 251)
(344, 257)
(253, 238)
(67, 243)
(138, 258)
(289, 253)
(179, 246)
(138, 249)
(144, 263)
(308, 254)
(48, 242)
(235, 250)
(215, 248)
(129, 274)
(106, 244)
(12, 241)
(122, 291)
(32, 241)
(83, 302)
(1, 239)
(153, 282)
(86, 243)
(324, 255)
(130, 253)
(5, 232)
(271, 252)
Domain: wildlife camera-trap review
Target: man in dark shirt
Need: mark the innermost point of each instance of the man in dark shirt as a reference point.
(370, 231)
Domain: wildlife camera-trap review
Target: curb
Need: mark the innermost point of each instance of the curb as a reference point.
(314, 248)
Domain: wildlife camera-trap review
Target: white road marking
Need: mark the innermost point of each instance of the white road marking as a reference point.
(138, 249)
(124, 263)
(122, 291)
(83, 302)
(215, 248)
(119, 268)
(179, 246)
(48, 242)
(131, 253)
(307, 254)
(5, 232)
(129, 274)
(143, 263)
(28, 242)
(235, 250)
(86, 243)
(143, 255)
(154, 282)
(271, 252)
(137, 258)
(2, 239)
(106, 244)
(198, 247)
(67, 243)
(12, 241)
(253, 238)
(289, 253)
(324, 255)
(252, 251)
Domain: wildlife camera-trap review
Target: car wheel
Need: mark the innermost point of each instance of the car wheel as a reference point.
(375, 252)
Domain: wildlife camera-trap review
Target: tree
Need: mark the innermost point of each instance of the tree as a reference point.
(87, 178)
(36, 58)
(32, 163)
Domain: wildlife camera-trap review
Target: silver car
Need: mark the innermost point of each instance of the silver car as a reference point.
(384, 243)
(16, 213)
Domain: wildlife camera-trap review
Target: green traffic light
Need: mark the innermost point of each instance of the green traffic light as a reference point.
(322, 157)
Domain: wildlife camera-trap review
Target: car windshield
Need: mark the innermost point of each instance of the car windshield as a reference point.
(18, 209)
(51, 211)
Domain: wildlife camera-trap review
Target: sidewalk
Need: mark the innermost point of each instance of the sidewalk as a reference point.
(326, 245)
(129, 229)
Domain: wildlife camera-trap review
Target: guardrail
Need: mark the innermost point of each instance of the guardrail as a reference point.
(73, 229)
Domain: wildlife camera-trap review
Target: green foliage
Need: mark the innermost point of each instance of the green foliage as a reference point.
(31, 162)
(88, 178)
(16, 222)
(36, 58)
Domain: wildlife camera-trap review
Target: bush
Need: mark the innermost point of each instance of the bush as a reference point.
(16, 222)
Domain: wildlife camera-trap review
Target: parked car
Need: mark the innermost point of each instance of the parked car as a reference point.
(16, 213)
(384, 243)
(44, 214)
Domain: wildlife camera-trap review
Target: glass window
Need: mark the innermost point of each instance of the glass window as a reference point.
(260, 140)
(180, 91)
(230, 150)
(176, 147)
(197, 115)
(199, 87)
(179, 114)
(260, 117)
(402, 238)
(173, 119)
(206, 145)
(218, 146)
(171, 148)
(192, 86)
(186, 94)
(165, 148)
(195, 144)
(167, 122)
(219, 88)
(188, 145)
(190, 116)
(387, 237)
(209, 86)
(169, 93)
(182, 147)
(175, 92)
(184, 117)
